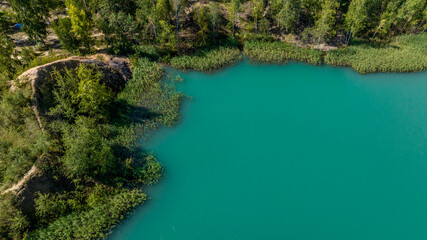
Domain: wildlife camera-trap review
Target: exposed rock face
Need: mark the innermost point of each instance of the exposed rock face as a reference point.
(36, 181)
(116, 71)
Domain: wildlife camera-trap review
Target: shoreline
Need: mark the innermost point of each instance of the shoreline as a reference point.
(217, 59)
(365, 58)
(259, 62)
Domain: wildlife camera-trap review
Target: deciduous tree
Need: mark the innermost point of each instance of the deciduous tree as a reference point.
(233, 10)
(325, 25)
(355, 19)
(177, 6)
(81, 25)
(201, 19)
(258, 8)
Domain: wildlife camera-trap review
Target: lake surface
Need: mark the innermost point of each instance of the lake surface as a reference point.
(291, 152)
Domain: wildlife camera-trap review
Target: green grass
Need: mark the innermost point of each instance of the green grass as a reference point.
(406, 53)
(280, 52)
(208, 59)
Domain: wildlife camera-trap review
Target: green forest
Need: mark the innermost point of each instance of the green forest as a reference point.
(87, 138)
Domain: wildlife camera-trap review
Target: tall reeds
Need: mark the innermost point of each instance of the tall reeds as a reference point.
(280, 52)
(408, 53)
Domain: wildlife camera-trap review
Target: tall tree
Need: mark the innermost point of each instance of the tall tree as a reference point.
(387, 19)
(258, 8)
(310, 11)
(163, 9)
(81, 25)
(178, 5)
(325, 25)
(115, 6)
(147, 16)
(66, 37)
(287, 13)
(117, 22)
(215, 18)
(167, 36)
(201, 19)
(411, 13)
(355, 19)
(233, 10)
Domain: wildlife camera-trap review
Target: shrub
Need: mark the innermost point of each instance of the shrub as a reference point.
(151, 171)
(95, 222)
(87, 151)
(119, 29)
(67, 38)
(12, 222)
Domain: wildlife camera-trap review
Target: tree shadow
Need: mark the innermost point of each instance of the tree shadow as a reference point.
(202, 52)
(124, 114)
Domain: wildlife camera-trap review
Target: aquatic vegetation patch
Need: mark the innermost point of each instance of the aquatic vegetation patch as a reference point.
(408, 53)
(208, 59)
(95, 222)
(280, 52)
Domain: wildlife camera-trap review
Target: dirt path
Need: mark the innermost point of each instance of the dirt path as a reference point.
(16, 187)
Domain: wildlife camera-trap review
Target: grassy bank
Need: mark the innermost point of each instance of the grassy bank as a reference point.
(406, 53)
(280, 52)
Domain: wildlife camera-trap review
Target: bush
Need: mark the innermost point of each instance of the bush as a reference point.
(80, 92)
(51, 206)
(119, 29)
(151, 171)
(87, 151)
(12, 222)
(66, 37)
(95, 222)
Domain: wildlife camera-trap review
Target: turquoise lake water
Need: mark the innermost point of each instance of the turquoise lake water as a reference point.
(291, 152)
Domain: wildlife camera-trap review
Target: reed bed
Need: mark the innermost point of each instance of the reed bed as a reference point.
(280, 52)
(208, 59)
(408, 53)
(95, 223)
